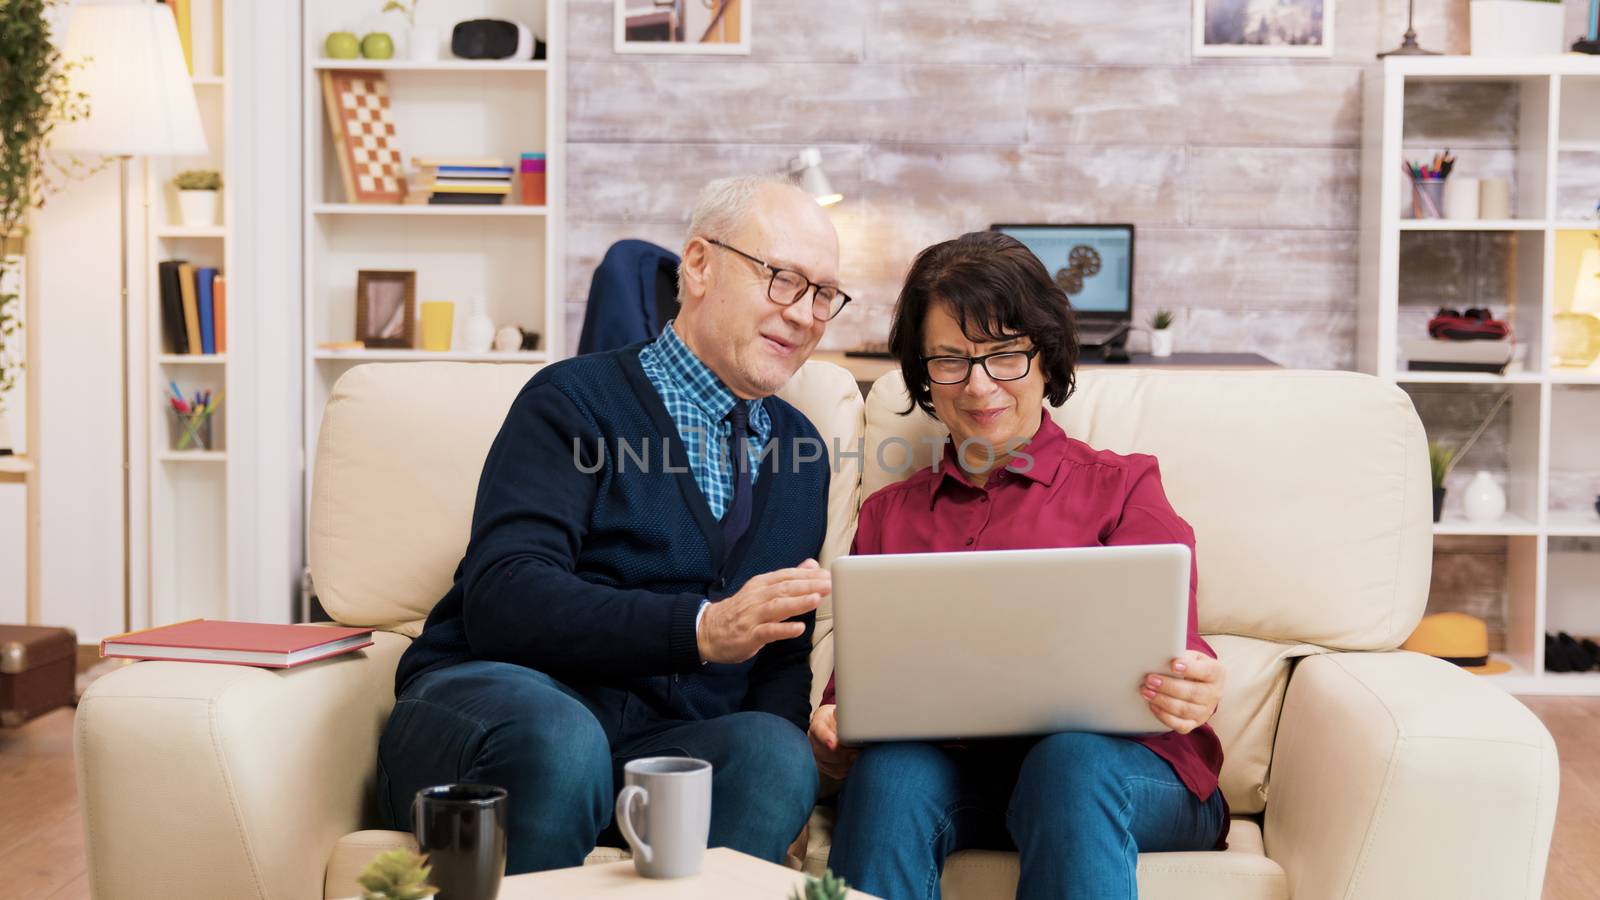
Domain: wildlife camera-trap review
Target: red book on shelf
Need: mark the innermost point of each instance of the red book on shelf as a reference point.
(240, 643)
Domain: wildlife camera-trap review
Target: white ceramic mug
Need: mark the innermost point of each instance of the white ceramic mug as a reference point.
(1461, 198)
(664, 812)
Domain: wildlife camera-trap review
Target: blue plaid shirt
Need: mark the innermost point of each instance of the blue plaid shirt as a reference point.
(699, 403)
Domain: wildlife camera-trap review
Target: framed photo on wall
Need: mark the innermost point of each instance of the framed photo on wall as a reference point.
(682, 26)
(1263, 28)
(386, 308)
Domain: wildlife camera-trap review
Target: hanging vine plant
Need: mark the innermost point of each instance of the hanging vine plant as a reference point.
(35, 95)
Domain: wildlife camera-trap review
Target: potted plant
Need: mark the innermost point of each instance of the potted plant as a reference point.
(35, 84)
(1161, 332)
(1517, 27)
(197, 196)
(1440, 459)
(422, 44)
(828, 887)
(396, 875)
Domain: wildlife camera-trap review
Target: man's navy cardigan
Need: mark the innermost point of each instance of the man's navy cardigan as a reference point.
(590, 565)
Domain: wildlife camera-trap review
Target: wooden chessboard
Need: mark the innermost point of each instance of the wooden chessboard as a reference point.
(364, 135)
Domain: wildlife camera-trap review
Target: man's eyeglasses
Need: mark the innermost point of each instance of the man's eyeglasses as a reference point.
(789, 287)
(1007, 365)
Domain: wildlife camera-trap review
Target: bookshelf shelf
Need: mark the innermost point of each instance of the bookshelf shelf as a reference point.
(174, 232)
(398, 209)
(15, 465)
(443, 65)
(190, 359)
(208, 81)
(1472, 224)
(195, 456)
(364, 356)
(1540, 449)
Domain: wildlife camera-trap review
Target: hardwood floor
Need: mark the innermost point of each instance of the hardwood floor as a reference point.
(41, 842)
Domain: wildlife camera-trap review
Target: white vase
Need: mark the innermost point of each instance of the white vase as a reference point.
(1483, 500)
(1516, 28)
(1161, 342)
(423, 44)
(478, 334)
(199, 208)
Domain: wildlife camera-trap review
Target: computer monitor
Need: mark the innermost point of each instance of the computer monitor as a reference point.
(1092, 263)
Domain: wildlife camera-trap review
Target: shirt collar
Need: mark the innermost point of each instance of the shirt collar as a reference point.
(704, 389)
(1047, 448)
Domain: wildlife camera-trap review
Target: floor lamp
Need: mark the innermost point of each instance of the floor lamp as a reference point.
(141, 103)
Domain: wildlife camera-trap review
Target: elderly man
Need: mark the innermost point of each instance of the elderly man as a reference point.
(631, 587)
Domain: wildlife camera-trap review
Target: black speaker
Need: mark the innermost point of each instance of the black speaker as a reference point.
(494, 39)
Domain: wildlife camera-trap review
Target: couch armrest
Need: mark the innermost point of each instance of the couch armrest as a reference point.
(1399, 775)
(203, 781)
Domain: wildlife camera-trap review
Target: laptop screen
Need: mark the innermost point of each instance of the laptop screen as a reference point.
(1092, 263)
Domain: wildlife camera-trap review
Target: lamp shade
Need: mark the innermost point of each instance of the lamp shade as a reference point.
(140, 96)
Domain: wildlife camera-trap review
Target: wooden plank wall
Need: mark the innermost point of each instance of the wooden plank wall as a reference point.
(941, 116)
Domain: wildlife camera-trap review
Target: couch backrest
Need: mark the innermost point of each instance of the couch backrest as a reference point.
(1309, 492)
(397, 465)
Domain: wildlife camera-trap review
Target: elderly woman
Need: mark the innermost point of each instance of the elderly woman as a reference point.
(984, 336)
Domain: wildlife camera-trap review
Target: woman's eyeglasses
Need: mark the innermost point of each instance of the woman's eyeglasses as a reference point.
(1007, 365)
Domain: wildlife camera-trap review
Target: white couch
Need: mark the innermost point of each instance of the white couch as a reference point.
(1353, 769)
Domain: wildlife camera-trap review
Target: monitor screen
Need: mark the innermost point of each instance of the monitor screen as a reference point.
(1092, 263)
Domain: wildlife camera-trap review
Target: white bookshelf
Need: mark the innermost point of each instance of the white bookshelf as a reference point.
(509, 255)
(1548, 464)
(188, 550)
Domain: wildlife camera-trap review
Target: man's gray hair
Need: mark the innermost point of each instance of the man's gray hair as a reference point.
(724, 204)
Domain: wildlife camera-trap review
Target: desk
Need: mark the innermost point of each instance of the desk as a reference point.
(868, 369)
(726, 875)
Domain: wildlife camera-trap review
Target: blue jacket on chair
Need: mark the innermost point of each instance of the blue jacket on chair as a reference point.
(624, 298)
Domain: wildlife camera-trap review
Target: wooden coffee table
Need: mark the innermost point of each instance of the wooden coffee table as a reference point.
(726, 875)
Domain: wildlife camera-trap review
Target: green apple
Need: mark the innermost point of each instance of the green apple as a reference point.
(377, 45)
(342, 45)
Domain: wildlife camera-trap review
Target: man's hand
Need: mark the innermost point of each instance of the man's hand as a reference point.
(833, 758)
(1185, 698)
(735, 629)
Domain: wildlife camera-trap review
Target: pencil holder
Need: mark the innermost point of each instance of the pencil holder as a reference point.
(1427, 198)
(189, 431)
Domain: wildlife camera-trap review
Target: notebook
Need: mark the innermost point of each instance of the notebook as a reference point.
(241, 643)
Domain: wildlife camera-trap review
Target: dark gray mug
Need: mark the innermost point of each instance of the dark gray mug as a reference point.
(461, 828)
(665, 813)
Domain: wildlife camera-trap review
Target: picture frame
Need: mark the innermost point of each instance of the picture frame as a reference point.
(1263, 28)
(386, 308)
(720, 27)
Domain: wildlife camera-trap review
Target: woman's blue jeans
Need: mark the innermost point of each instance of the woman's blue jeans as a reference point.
(1078, 807)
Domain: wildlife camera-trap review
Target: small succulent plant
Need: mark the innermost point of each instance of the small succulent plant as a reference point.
(1440, 458)
(828, 887)
(198, 180)
(1162, 319)
(397, 875)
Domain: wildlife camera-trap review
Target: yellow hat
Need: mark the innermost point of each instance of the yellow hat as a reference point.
(1456, 638)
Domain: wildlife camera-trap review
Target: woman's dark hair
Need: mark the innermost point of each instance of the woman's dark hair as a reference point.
(997, 290)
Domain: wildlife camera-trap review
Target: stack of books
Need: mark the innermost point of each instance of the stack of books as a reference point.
(440, 181)
(194, 308)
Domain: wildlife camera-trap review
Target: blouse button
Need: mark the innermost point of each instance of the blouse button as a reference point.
(970, 540)
(984, 499)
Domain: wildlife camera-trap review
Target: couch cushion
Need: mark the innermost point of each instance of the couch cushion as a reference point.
(398, 459)
(1243, 872)
(1308, 492)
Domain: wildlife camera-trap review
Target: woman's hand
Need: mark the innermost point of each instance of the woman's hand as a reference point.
(833, 758)
(1185, 698)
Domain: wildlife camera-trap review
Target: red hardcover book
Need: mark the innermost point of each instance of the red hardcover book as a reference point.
(240, 643)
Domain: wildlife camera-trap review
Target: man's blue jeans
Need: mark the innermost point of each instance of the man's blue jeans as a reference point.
(510, 726)
(1078, 807)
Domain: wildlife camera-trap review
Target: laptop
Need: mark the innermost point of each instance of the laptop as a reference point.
(1094, 265)
(931, 646)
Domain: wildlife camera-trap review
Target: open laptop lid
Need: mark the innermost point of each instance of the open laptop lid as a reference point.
(1092, 263)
